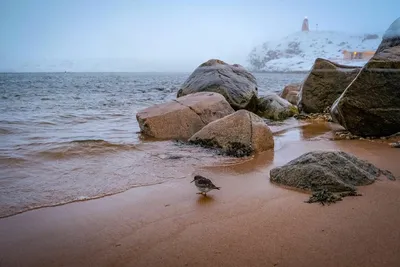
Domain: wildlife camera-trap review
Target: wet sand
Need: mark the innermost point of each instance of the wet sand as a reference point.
(249, 222)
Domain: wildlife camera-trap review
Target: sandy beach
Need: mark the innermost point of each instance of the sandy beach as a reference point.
(249, 222)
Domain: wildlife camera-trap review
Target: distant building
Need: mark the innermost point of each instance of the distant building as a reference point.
(305, 27)
(354, 55)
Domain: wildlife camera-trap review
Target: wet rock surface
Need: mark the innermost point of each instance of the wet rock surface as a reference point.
(327, 174)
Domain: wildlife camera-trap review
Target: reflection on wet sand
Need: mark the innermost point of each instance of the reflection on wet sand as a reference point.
(243, 166)
(283, 137)
(291, 142)
(205, 200)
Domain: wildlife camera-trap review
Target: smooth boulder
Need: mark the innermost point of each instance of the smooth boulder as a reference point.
(235, 83)
(272, 106)
(291, 93)
(293, 97)
(239, 134)
(181, 118)
(324, 84)
(335, 171)
(370, 106)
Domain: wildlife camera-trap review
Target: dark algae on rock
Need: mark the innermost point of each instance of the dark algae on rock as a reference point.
(325, 196)
(239, 134)
(234, 149)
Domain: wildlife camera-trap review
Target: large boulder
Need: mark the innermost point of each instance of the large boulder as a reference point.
(324, 84)
(239, 134)
(370, 106)
(335, 171)
(272, 106)
(391, 38)
(181, 118)
(236, 84)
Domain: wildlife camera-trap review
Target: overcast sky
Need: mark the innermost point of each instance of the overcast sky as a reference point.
(166, 35)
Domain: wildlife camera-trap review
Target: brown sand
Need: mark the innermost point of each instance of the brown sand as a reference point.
(249, 222)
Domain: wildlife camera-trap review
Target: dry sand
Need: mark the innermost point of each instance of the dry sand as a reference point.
(249, 222)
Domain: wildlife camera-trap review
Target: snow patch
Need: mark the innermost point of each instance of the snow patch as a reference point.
(298, 51)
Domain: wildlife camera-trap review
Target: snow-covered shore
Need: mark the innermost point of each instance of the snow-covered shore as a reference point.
(297, 52)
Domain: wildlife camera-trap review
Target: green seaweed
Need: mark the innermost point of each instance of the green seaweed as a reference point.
(294, 110)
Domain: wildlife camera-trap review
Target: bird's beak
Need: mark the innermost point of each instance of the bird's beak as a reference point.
(192, 181)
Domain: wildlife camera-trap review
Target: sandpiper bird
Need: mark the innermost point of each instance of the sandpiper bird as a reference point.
(203, 184)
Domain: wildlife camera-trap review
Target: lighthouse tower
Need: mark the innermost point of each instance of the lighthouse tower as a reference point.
(305, 27)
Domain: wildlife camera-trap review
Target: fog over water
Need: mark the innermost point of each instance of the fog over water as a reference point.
(156, 35)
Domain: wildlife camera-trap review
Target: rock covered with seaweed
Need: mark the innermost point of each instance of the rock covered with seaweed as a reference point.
(327, 172)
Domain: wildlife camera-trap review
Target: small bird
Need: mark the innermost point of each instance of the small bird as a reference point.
(204, 185)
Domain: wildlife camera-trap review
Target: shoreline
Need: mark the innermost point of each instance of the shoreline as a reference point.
(249, 222)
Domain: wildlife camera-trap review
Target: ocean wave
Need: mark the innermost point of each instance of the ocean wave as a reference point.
(46, 123)
(82, 148)
(7, 160)
(14, 210)
(5, 131)
(12, 122)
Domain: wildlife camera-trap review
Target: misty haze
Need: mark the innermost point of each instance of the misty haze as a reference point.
(146, 36)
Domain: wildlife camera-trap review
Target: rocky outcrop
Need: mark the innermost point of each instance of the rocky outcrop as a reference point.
(370, 106)
(181, 118)
(235, 83)
(324, 84)
(272, 106)
(239, 134)
(331, 171)
(291, 93)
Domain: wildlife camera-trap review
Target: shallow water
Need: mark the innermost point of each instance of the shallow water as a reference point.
(73, 136)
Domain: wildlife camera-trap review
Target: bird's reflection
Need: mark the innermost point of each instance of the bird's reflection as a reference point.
(205, 200)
